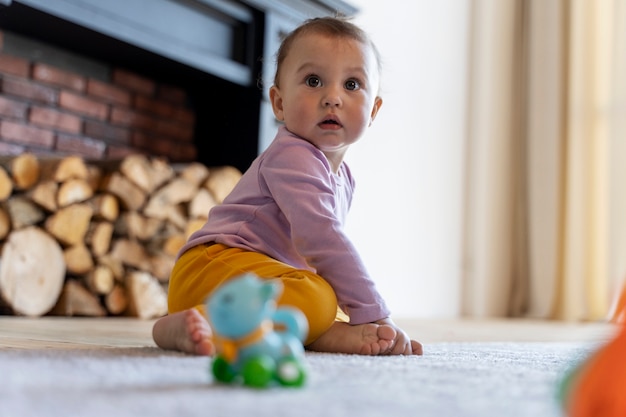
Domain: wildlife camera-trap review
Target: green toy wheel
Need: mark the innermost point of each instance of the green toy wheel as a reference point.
(259, 371)
(222, 371)
(291, 373)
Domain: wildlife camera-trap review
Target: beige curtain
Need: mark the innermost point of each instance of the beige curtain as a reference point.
(545, 215)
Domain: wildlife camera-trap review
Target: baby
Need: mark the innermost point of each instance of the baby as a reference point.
(284, 219)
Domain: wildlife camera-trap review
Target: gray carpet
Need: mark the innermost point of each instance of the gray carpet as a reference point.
(451, 379)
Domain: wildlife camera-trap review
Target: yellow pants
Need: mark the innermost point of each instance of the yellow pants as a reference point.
(201, 269)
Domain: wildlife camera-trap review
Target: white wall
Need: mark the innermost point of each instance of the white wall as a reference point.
(407, 212)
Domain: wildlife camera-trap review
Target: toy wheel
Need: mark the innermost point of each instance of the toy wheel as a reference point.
(222, 370)
(291, 373)
(258, 371)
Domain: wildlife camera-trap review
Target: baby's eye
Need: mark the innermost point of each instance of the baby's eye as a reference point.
(352, 85)
(313, 81)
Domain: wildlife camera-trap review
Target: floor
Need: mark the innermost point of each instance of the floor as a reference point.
(81, 333)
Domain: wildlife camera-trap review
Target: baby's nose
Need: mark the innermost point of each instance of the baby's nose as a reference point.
(332, 100)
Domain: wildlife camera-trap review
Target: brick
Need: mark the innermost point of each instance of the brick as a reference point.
(108, 92)
(51, 75)
(26, 135)
(163, 109)
(156, 107)
(119, 152)
(48, 117)
(29, 90)
(10, 149)
(15, 66)
(133, 82)
(12, 108)
(46, 153)
(173, 130)
(171, 94)
(107, 131)
(162, 146)
(153, 144)
(87, 147)
(185, 152)
(83, 105)
(126, 117)
(184, 116)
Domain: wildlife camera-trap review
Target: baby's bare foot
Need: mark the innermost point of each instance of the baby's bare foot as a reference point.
(186, 331)
(363, 339)
(417, 348)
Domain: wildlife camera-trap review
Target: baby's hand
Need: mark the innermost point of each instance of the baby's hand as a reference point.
(402, 344)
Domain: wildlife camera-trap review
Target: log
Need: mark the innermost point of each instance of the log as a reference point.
(138, 227)
(70, 224)
(137, 168)
(161, 266)
(5, 223)
(172, 244)
(45, 194)
(200, 204)
(176, 215)
(99, 237)
(6, 184)
(78, 260)
(162, 172)
(147, 298)
(193, 226)
(177, 191)
(76, 300)
(25, 171)
(114, 264)
(148, 174)
(131, 253)
(195, 172)
(221, 181)
(66, 168)
(23, 212)
(105, 207)
(75, 190)
(94, 177)
(116, 302)
(100, 280)
(32, 271)
(131, 196)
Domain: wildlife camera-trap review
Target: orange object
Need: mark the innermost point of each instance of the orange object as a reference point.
(598, 387)
(619, 312)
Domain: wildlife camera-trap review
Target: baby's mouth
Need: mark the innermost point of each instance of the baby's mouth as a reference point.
(330, 123)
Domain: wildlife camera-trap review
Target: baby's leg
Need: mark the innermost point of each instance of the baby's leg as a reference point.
(185, 331)
(362, 339)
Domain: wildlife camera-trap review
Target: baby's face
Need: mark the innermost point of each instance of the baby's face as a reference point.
(328, 91)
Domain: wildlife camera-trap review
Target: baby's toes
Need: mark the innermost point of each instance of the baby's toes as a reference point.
(386, 333)
(416, 347)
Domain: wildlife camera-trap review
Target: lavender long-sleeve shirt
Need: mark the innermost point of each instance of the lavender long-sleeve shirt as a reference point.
(290, 205)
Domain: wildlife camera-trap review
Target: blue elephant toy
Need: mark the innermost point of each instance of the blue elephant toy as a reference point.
(256, 342)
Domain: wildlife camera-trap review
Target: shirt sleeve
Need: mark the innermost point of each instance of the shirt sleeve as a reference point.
(299, 179)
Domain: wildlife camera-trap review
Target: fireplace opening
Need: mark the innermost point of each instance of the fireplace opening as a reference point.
(226, 129)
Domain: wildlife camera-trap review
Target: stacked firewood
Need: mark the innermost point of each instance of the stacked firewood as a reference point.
(98, 238)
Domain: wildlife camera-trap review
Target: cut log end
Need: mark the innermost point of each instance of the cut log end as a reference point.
(32, 271)
(25, 171)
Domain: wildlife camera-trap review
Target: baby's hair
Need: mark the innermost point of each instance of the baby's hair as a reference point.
(338, 27)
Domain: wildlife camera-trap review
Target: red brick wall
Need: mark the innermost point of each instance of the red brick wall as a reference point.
(49, 111)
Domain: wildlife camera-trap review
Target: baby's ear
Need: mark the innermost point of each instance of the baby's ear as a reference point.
(277, 103)
(378, 102)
